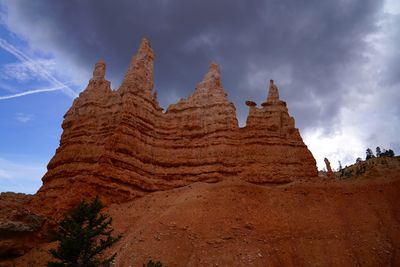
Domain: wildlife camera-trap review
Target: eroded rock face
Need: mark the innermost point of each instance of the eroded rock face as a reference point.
(272, 148)
(17, 225)
(121, 145)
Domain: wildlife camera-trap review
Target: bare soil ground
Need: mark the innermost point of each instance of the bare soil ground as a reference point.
(319, 222)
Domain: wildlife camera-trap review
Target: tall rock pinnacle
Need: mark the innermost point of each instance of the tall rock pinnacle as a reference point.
(99, 71)
(140, 72)
(213, 75)
(211, 85)
(273, 93)
(98, 86)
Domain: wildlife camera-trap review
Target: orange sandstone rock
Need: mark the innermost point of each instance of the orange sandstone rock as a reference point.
(18, 225)
(121, 145)
(329, 171)
(273, 149)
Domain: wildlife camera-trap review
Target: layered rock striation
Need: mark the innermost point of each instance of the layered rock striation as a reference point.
(273, 147)
(122, 145)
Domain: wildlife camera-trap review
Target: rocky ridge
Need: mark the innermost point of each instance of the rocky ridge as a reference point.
(121, 144)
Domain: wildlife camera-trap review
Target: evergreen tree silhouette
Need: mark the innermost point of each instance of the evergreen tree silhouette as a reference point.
(84, 235)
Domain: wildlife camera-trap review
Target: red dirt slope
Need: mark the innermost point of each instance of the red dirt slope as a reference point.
(304, 223)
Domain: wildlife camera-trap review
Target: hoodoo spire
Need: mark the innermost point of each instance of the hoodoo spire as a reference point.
(99, 71)
(212, 79)
(98, 85)
(273, 93)
(140, 72)
(211, 86)
(213, 75)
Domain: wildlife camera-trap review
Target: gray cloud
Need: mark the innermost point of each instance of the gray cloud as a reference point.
(316, 40)
(391, 70)
(314, 49)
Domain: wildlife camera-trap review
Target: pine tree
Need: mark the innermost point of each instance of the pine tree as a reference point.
(340, 166)
(387, 153)
(84, 235)
(378, 151)
(369, 154)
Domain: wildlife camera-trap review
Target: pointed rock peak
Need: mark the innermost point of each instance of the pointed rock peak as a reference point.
(99, 71)
(214, 68)
(210, 89)
(140, 71)
(98, 86)
(145, 42)
(273, 92)
(145, 50)
(213, 72)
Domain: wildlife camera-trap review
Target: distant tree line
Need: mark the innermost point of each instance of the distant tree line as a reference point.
(379, 153)
(360, 168)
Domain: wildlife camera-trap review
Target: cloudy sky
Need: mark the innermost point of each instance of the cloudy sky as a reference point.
(336, 64)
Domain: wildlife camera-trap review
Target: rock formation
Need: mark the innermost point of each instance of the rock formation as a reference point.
(273, 146)
(17, 225)
(329, 171)
(122, 145)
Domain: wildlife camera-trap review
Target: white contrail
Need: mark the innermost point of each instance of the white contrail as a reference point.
(31, 92)
(36, 68)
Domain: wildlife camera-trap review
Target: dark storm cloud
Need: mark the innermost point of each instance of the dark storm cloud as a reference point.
(391, 70)
(306, 45)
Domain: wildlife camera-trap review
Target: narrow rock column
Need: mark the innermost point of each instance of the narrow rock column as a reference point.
(273, 93)
(329, 171)
(99, 71)
(98, 86)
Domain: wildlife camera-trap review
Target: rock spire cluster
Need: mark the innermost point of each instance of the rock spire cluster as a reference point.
(121, 144)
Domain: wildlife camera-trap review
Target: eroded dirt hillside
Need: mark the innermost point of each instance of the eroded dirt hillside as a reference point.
(303, 223)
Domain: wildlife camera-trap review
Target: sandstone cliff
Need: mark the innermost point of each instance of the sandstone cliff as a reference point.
(122, 145)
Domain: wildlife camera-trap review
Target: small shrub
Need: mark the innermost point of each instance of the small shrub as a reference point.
(360, 170)
(151, 263)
